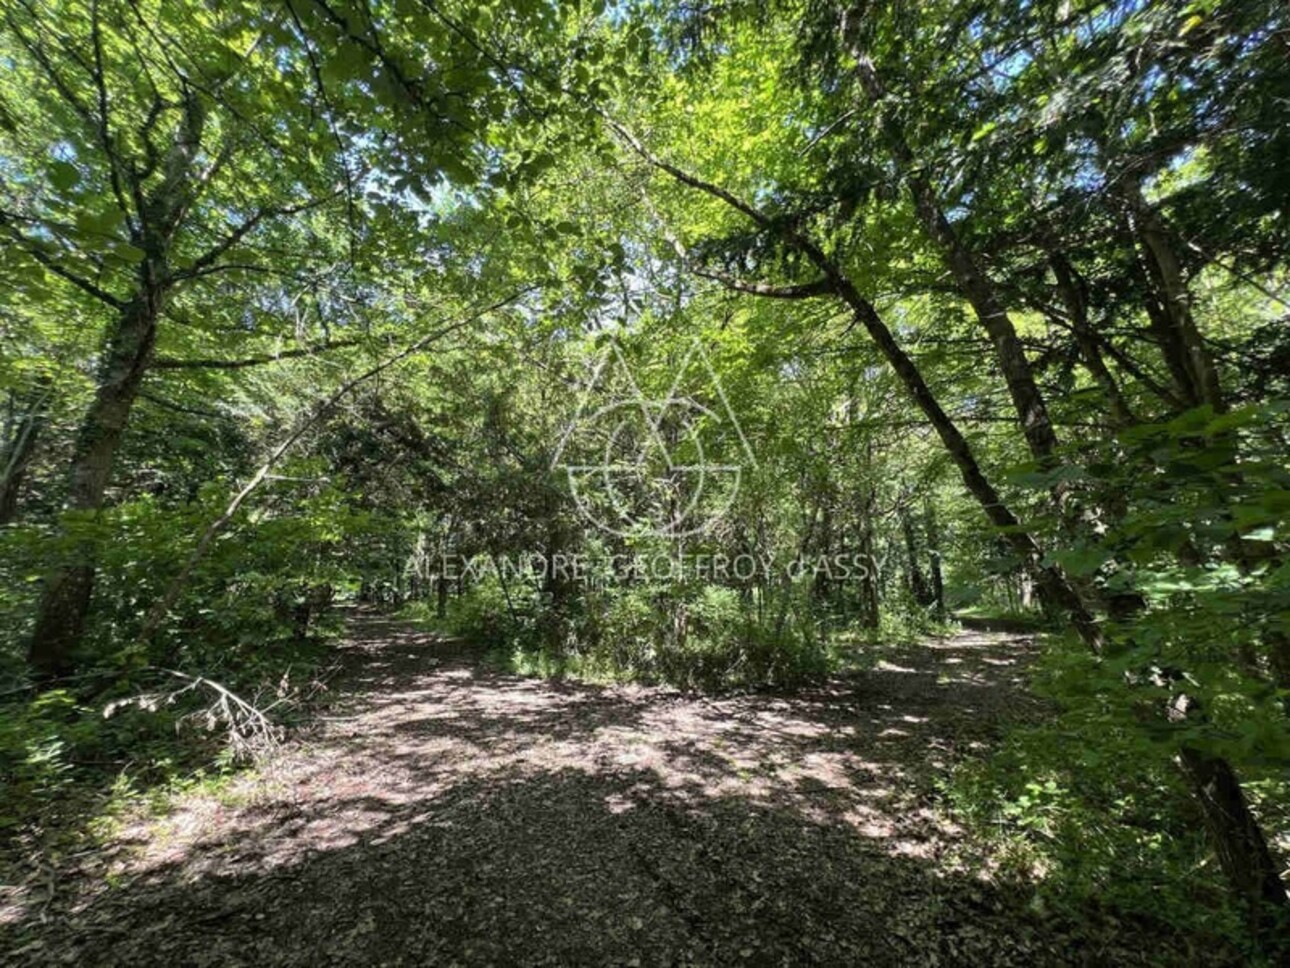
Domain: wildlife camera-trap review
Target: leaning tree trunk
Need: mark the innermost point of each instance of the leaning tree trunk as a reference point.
(1165, 271)
(64, 603)
(1054, 586)
(975, 286)
(1237, 840)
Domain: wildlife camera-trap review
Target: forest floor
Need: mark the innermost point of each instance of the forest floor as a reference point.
(439, 812)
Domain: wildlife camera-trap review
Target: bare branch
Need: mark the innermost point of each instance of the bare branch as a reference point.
(251, 733)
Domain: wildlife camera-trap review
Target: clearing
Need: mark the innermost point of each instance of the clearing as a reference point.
(440, 812)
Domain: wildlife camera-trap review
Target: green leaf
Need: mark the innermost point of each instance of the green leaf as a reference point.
(63, 175)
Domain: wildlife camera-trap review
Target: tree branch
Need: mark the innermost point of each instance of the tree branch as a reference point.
(171, 363)
(809, 290)
(806, 290)
(323, 407)
(105, 122)
(52, 265)
(180, 408)
(205, 263)
(684, 177)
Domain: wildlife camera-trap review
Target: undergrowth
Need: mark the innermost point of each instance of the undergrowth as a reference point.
(705, 638)
(71, 758)
(1095, 816)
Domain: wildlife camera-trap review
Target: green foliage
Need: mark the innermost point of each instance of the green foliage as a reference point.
(60, 753)
(701, 637)
(1033, 248)
(34, 742)
(1090, 799)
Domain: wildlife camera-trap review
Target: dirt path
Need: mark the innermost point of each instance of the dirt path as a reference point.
(445, 814)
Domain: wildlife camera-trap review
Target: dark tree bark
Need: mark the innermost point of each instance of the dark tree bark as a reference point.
(556, 584)
(822, 584)
(65, 600)
(918, 586)
(1238, 841)
(1053, 583)
(17, 454)
(1185, 393)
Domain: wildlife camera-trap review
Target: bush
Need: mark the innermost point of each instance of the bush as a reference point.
(1095, 806)
(59, 751)
(703, 637)
(35, 738)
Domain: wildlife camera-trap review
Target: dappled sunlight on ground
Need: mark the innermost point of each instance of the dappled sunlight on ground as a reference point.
(442, 811)
(423, 717)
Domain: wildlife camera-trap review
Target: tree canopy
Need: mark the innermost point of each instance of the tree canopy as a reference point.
(711, 344)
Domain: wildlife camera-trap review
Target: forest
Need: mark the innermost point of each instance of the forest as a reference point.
(644, 482)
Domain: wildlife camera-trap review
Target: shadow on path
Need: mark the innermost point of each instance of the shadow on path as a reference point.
(444, 813)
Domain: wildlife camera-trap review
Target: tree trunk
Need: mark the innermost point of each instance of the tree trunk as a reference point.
(1173, 353)
(1166, 271)
(1235, 834)
(1073, 293)
(1027, 400)
(934, 556)
(971, 281)
(822, 586)
(65, 600)
(1054, 587)
(441, 597)
(17, 454)
(869, 603)
(918, 587)
(1238, 841)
